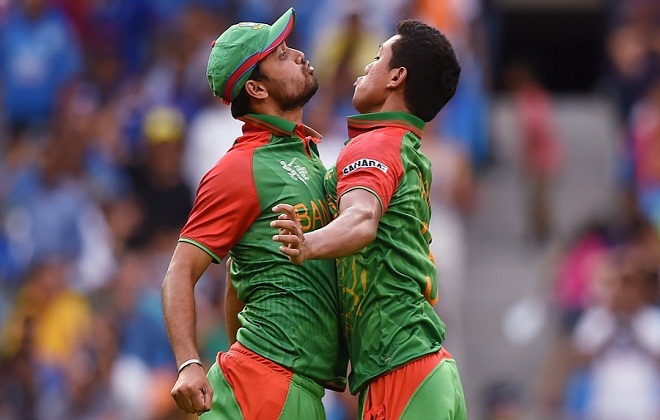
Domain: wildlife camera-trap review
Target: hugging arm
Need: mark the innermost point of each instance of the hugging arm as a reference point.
(354, 228)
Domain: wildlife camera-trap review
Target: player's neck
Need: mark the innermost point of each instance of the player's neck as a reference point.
(294, 115)
(395, 103)
(291, 115)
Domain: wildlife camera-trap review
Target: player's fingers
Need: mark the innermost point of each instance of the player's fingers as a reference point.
(198, 400)
(283, 231)
(289, 225)
(290, 252)
(208, 398)
(176, 400)
(185, 403)
(283, 224)
(288, 240)
(286, 209)
(181, 400)
(192, 404)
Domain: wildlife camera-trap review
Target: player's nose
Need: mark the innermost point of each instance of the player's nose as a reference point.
(300, 56)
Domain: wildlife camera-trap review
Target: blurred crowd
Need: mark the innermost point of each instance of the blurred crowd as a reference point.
(603, 361)
(108, 124)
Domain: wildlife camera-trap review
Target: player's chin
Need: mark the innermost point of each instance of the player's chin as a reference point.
(358, 104)
(312, 85)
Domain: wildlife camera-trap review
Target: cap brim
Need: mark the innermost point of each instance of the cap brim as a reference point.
(279, 31)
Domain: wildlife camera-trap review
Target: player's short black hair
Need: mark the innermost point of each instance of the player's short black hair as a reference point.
(241, 104)
(432, 66)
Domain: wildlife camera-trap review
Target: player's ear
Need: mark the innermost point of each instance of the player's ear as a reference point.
(256, 89)
(398, 75)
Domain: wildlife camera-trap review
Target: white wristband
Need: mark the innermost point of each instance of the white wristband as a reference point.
(188, 363)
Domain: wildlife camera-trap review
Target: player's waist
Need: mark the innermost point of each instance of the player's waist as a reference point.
(301, 381)
(362, 376)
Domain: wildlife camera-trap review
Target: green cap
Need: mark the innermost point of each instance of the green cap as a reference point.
(239, 49)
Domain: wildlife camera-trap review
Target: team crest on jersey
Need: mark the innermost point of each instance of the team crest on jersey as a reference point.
(364, 163)
(297, 172)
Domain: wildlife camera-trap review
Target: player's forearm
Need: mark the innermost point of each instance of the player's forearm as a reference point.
(186, 267)
(351, 231)
(179, 315)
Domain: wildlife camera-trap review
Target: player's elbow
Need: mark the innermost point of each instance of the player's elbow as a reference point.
(366, 227)
(371, 230)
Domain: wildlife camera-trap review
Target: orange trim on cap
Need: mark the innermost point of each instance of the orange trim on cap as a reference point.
(253, 60)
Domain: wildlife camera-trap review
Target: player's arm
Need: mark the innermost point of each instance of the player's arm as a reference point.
(192, 391)
(354, 228)
(363, 195)
(233, 305)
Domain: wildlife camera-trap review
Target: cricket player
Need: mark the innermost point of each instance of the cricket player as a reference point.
(289, 345)
(380, 189)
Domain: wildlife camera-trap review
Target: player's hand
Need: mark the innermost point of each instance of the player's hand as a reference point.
(290, 233)
(192, 390)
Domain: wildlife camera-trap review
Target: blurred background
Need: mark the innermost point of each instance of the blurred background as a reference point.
(546, 195)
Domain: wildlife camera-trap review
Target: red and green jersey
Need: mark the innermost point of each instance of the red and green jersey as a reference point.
(389, 287)
(291, 313)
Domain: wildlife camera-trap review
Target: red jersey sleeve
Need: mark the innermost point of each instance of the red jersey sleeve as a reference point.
(225, 206)
(371, 161)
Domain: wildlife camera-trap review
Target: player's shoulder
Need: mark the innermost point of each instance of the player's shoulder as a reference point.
(234, 159)
(241, 154)
(234, 168)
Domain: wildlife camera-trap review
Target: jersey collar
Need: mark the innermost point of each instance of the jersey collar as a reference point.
(280, 127)
(359, 124)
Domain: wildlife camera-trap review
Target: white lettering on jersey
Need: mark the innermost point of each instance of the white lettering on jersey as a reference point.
(297, 172)
(364, 163)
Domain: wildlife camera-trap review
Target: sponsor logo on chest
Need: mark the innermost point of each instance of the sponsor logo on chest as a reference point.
(364, 163)
(296, 171)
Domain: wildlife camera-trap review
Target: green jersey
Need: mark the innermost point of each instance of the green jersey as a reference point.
(389, 287)
(291, 313)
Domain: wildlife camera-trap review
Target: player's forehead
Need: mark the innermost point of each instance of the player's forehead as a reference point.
(386, 47)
